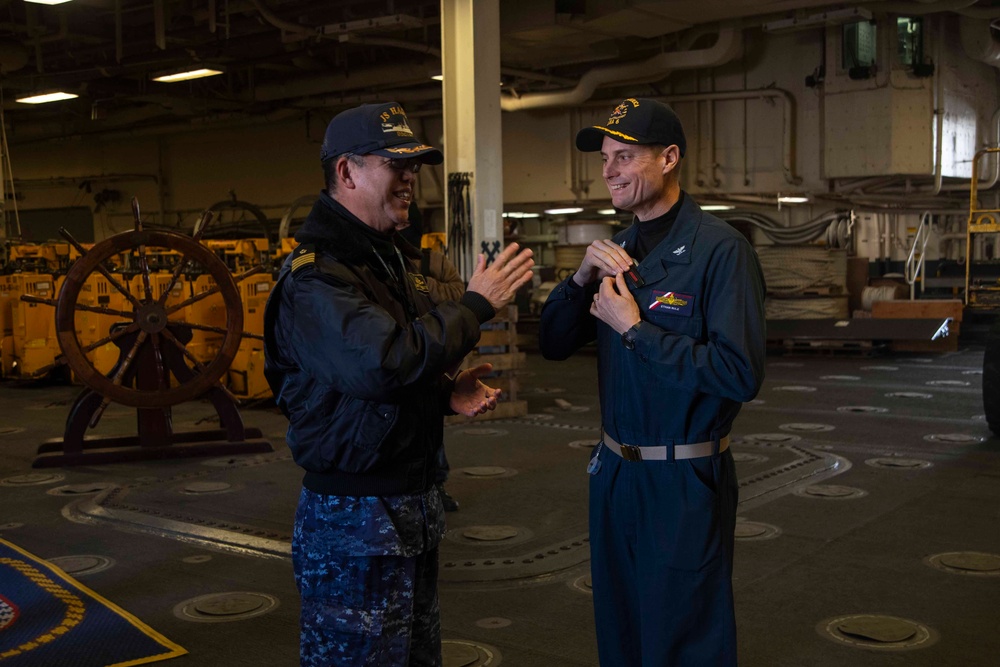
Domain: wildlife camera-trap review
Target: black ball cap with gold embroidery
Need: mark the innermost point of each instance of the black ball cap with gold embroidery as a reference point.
(377, 129)
(637, 120)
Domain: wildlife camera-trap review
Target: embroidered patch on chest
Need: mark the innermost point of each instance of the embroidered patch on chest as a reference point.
(419, 282)
(674, 303)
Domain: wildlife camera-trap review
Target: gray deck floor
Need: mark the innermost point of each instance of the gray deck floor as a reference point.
(168, 531)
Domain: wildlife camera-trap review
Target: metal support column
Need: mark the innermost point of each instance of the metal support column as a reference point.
(470, 63)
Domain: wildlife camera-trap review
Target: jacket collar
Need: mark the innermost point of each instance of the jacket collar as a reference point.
(342, 234)
(675, 248)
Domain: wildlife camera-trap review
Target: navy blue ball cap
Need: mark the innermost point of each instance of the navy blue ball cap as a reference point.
(637, 120)
(376, 129)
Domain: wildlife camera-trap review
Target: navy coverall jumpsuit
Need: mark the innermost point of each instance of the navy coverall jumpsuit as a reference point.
(662, 531)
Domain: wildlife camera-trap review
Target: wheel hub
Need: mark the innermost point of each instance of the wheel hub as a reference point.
(152, 318)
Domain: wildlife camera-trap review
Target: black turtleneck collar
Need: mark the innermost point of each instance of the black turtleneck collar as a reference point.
(649, 233)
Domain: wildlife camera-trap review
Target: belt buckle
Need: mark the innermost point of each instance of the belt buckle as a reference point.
(631, 453)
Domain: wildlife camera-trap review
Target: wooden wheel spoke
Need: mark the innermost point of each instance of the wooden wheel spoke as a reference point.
(194, 299)
(129, 358)
(200, 327)
(174, 277)
(100, 267)
(141, 251)
(187, 354)
(113, 337)
(161, 376)
(79, 306)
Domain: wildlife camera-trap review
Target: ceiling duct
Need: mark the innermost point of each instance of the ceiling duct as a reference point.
(978, 41)
(728, 46)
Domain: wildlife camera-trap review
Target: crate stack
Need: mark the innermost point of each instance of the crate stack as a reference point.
(498, 346)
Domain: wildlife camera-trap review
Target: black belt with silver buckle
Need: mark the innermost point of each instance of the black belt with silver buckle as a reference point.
(662, 453)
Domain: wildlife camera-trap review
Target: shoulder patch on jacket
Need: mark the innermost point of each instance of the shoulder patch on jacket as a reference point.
(303, 256)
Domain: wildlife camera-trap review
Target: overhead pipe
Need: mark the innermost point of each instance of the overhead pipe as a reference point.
(728, 46)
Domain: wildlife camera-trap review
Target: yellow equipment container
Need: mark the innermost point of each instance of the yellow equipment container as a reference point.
(246, 373)
(210, 311)
(34, 343)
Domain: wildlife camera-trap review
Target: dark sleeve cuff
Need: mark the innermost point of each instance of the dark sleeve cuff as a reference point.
(478, 304)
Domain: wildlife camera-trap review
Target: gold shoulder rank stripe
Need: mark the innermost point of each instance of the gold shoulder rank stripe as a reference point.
(303, 260)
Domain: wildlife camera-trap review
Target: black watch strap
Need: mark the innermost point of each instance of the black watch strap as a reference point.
(628, 338)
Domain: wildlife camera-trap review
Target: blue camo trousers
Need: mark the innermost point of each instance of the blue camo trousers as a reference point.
(369, 611)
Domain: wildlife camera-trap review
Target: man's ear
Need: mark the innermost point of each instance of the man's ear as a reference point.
(344, 172)
(672, 159)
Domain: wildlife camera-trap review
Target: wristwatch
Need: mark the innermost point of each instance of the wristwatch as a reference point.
(628, 338)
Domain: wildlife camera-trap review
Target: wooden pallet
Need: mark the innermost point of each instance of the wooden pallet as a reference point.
(498, 346)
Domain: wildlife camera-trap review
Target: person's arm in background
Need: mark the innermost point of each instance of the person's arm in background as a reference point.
(443, 280)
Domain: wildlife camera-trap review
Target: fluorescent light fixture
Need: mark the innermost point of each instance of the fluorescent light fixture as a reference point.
(47, 97)
(717, 207)
(607, 211)
(563, 211)
(47, 2)
(791, 199)
(520, 214)
(187, 76)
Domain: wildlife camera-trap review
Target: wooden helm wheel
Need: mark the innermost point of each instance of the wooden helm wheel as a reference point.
(151, 323)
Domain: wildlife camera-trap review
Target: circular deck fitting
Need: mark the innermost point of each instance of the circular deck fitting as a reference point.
(81, 565)
(196, 560)
(948, 383)
(880, 368)
(776, 438)
(972, 563)
(975, 371)
(228, 461)
(583, 584)
(845, 378)
(898, 463)
(490, 533)
(586, 445)
(493, 623)
(795, 388)
(922, 360)
(909, 394)
(80, 489)
(480, 431)
(755, 530)
(487, 472)
(458, 653)
(11, 525)
(743, 457)
(489, 536)
(830, 492)
(954, 438)
(534, 416)
(225, 607)
(869, 409)
(558, 409)
(10, 430)
(806, 428)
(202, 488)
(873, 631)
(32, 479)
(543, 390)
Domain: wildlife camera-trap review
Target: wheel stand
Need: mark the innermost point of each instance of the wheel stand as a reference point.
(156, 438)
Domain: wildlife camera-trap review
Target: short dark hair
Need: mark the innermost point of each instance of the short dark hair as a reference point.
(329, 169)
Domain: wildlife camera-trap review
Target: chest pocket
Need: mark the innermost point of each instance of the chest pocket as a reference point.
(677, 311)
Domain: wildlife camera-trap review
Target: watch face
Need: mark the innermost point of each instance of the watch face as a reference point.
(628, 338)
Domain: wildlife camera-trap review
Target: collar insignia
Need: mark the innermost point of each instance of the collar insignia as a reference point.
(680, 251)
